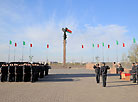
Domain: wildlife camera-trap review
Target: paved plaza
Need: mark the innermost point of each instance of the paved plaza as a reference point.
(69, 85)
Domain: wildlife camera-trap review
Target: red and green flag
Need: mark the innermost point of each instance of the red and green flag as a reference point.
(68, 31)
(123, 44)
(103, 44)
(82, 46)
(134, 40)
(47, 45)
(15, 44)
(23, 42)
(117, 42)
(108, 46)
(92, 45)
(10, 42)
(31, 45)
(98, 45)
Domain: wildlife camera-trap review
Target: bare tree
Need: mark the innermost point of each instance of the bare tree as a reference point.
(133, 53)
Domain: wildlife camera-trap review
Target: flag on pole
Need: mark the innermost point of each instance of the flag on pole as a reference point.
(117, 42)
(68, 31)
(103, 44)
(82, 46)
(92, 45)
(15, 44)
(108, 46)
(98, 45)
(23, 42)
(134, 40)
(47, 45)
(123, 44)
(10, 42)
(31, 45)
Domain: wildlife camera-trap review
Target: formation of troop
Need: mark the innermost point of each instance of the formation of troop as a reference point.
(102, 71)
(134, 72)
(23, 71)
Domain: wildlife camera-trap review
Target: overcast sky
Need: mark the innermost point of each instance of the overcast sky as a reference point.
(92, 21)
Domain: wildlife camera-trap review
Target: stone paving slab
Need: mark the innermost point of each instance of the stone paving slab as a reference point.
(69, 85)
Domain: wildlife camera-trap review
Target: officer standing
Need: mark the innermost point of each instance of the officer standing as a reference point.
(34, 72)
(97, 72)
(104, 73)
(11, 73)
(120, 69)
(4, 72)
(41, 66)
(134, 69)
(27, 72)
(137, 71)
(19, 73)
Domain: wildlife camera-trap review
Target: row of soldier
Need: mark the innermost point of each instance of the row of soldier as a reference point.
(23, 72)
(119, 69)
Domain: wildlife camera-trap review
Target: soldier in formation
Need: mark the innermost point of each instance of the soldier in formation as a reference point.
(137, 71)
(4, 72)
(134, 72)
(11, 73)
(23, 71)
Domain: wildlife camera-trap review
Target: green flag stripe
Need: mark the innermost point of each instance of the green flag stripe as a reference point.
(103, 44)
(92, 45)
(117, 42)
(10, 42)
(23, 42)
(134, 40)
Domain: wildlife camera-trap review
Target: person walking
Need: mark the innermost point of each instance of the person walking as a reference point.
(104, 70)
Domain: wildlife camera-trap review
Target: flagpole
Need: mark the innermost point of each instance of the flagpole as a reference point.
(93, 54)
(103, 51)
(14, 54)
(117, 51)
(9, 55)
(22, 52)
(30, 55)
(93, 51)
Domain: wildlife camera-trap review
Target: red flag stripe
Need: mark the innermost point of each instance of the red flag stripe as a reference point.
(69, 30)
(47, 45)
(15, 44)
(82, 46)
(31, 45)
(123, 44)
(98, 46)
(108, 46)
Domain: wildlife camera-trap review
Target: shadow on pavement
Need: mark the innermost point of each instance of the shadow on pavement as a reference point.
(67, 77)
(123, 85)
(118, 81)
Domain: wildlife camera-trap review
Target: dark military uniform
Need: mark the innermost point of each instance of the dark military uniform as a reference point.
(19, 73)
(27, 73)
(137, 73)
(37, 72)
(4, 73)
(97, 73)
(34, 74)
(104, 74)
(134, 71)
(11, 73)
(41, 71)
(120, 69)
(46, 68)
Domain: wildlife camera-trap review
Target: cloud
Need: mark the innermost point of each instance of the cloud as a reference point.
(49, 32)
